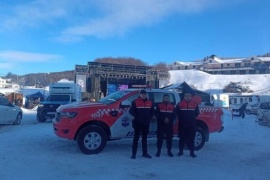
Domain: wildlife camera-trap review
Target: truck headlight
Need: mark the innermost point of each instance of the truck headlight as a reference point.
(68, 114)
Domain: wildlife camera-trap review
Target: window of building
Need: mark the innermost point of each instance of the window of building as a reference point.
(178, 67)
(262, 71)
(186, 67)
(252, 71)
(247, 64)
(228, 65)
(242, 72)
(237, 65)
(241, 101)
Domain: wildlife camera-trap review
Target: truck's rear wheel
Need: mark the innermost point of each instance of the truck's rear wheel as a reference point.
(92, 140)
(200, 138)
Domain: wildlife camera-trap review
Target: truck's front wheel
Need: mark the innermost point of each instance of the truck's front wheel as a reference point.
(200, 138)
(92, 140)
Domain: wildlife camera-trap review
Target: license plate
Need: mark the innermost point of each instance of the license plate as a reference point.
(50, 112)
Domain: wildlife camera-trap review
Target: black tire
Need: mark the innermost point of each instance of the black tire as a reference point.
(248, 112)
(18, 119)
(40, 119)
(200, 139)
(91, 140)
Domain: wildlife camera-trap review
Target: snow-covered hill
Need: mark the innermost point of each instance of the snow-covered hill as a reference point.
(259, 83)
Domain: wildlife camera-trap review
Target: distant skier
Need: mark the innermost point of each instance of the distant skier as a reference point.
(242, 110)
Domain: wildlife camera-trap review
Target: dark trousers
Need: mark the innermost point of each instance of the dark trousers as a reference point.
(187, 136)
(138, 130)
(161, 131)
(242, 113)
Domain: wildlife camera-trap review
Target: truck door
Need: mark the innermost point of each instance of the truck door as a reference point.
(123, 125)
(156, 98)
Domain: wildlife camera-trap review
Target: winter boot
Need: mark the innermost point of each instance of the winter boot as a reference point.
(181, 152)
(146, 155)
(158, 153)
(193, 155)
(133, 156)
(170, 154)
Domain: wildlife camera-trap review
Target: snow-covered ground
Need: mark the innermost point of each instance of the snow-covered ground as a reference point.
(32, 151)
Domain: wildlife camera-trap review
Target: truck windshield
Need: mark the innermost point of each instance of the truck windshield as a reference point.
(65, 98)
(113, 97)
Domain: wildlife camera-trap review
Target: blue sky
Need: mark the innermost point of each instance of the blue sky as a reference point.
(54, 35)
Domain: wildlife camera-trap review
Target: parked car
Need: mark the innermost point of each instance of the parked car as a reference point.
(252, 109)
(10, 114)
(263, 113)
(93, 124)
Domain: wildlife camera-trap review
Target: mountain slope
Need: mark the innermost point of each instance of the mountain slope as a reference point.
(259, 83)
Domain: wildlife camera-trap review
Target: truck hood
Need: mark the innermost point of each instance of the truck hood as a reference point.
(80, 105)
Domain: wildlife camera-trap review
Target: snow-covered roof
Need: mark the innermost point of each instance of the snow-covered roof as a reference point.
(187, 63)
(7, 91)
(221, 61)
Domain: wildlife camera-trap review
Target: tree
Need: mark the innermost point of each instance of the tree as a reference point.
(121, 60)
(237, 87)
(162, 67)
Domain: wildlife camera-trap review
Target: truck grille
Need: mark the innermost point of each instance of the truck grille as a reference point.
(51, 107)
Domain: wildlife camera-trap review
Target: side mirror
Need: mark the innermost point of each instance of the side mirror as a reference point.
(125, 103)
(10, 104)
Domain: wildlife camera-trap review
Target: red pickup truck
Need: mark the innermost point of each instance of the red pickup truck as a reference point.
(93, 124)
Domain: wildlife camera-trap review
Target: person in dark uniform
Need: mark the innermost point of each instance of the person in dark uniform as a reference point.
(165, 114)
(242, 110)
(142, 110)
(187, 111)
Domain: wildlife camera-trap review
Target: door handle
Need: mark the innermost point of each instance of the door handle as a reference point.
(114, 113)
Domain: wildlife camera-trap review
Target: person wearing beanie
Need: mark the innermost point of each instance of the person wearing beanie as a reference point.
(142, 110)
(165, 114)
(187, 112)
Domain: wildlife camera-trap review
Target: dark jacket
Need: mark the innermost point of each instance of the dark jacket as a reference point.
(142, 111)
(243, 107)
(187, 113)
(165, 110)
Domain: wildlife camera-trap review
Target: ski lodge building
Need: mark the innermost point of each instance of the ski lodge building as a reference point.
(216, 65)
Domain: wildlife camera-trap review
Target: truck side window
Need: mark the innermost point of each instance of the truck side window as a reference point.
(135, 96)
(158, 97)
(132, 98)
